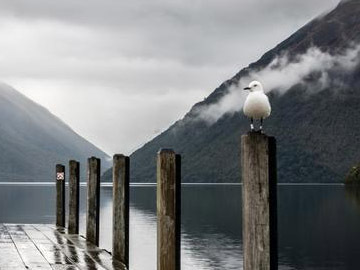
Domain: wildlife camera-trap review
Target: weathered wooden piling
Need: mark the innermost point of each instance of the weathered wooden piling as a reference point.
(168, 210)
(121, 174)
(258, 166)
(60, 195)
(93, 201)
(74, 191)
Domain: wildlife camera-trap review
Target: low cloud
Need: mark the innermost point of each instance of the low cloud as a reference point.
(281, 74)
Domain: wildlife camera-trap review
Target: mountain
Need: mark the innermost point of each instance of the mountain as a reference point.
(32, 140)
(317, 132)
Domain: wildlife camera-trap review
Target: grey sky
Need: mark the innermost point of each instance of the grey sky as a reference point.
(119, 72)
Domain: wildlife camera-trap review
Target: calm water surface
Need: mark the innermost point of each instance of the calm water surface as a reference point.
(319, 226)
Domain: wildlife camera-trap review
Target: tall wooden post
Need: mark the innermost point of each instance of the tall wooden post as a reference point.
(74, 191)
(168, 210)
(60, 195)
(93, 201)
(121, 208)
(258, 166)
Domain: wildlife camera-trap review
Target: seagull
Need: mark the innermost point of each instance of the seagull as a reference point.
(257, 105)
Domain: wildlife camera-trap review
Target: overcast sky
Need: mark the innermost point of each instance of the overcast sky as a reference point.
(120, 72)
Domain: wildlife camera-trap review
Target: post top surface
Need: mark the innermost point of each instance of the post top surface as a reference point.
(94, 160)
(116, 156)
(166, 150)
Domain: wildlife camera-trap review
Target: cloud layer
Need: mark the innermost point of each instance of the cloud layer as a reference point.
(283, 73)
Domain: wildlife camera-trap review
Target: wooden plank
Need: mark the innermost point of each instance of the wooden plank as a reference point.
(63, 267)
(60, 195)
(28, 246)
(9, 256)
(4, 235)
(93, 201)
(101, 256)
(168, 210)
(74, 197)
(121, 184)
(82, 252)
(77, 255)
(258, 166)
(50, 251)
(29, 253)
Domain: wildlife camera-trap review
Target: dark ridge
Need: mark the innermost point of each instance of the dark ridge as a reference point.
(32, 141)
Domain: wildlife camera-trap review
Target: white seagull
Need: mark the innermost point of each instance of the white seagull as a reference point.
(257, 105)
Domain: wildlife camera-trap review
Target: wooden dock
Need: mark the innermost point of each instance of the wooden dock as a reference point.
(40, 246)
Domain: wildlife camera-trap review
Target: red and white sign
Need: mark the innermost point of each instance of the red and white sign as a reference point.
(60, 176)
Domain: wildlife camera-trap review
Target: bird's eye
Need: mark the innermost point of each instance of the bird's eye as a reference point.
(255, 85)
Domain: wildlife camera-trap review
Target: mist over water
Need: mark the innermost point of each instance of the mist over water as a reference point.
(318, 224)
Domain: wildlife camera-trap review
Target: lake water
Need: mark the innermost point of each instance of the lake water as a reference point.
(318, 225)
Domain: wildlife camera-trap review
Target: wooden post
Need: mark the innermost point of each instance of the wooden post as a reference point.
(121, 208)
(74, 189)
(60, 195)
(258, 166)
(93, 201)
(168, 210)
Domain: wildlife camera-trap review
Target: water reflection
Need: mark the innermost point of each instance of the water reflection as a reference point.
(353, 194)
(211, 225)
(318, 225)
(27, 204)
(213, 241)
(318, 228)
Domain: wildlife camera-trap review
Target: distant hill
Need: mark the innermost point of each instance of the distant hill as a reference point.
(318, 132)
(32, 140)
